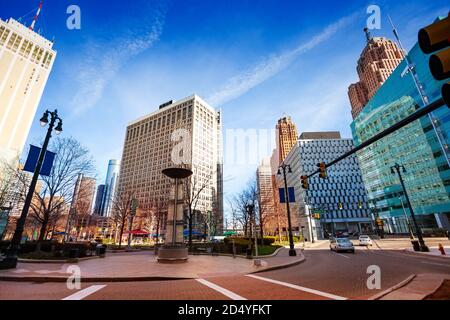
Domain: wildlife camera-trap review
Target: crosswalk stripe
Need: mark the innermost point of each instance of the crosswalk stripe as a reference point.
(294, 286)
(85, 292)
(223, 291)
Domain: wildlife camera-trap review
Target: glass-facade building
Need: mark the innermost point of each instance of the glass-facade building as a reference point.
(340, 199)
(415, 146)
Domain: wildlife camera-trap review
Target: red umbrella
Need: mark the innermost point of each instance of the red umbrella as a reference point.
(138, 232)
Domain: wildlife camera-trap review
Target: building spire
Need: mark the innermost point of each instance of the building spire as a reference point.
(37, 15)
(368, 35)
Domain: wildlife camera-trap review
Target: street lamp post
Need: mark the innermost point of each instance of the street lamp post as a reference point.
(308, 206)
(411, 234)
(11, 257)
(396, 168)
(283, 167)
(252, 219)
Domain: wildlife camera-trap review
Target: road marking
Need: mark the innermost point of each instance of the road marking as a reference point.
(223, 291)
(85, 292)
(294, 286)
(438, 264)
(342, 255)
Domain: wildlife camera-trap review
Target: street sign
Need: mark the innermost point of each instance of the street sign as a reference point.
(291, 195)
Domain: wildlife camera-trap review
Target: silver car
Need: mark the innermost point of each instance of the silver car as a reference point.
(341, 244)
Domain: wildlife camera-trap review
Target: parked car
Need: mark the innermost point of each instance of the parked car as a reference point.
(341, 244)
(364, 240)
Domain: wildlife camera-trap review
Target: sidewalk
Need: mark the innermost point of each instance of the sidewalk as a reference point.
(143, 266)
(418, 288)
(433, 252)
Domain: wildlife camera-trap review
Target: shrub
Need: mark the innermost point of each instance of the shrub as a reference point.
(268, 240)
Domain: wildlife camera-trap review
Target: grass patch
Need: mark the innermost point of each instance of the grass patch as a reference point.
(266, 250)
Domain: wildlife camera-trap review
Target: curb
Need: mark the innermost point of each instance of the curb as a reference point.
(282, 266)
(75, 260)
(91, 279)
(393, 288)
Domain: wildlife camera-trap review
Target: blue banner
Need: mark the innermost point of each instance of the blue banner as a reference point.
(33, 157)
(291, 195)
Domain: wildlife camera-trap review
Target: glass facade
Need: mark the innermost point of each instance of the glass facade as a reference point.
(415, 146)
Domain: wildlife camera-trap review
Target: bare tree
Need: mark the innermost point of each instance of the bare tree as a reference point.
(193, 188)
(71, 160)
(239, 202)
(121, 211)
(159, 211)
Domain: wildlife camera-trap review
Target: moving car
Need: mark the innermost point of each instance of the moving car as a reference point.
(365, 240)
(341, 244)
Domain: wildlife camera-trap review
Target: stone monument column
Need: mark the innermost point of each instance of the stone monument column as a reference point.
(174, 249)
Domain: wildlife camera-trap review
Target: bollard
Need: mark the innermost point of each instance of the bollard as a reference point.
(441, 249)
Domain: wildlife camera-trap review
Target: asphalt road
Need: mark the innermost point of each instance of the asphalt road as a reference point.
(324, 275)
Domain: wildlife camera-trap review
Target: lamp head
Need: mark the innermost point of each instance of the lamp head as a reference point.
(58, 128)
(44, 119)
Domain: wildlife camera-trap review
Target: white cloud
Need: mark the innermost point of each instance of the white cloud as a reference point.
(243, 82)
(102, 64)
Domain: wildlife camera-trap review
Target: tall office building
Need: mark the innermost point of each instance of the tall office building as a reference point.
(83, 195)
(378, 59)
(340, 199)
(98, 205)
(415, 146)
(110, 187)
(26, 59)
(153, 143)
(286, 132)
(266, 196)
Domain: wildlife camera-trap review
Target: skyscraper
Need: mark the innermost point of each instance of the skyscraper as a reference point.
(110, 187)
(286, 136)
(83, 195)
(415, 146)
(26, 59)
(98, 205)
(152, 143)
(378, 59)
(266, 196)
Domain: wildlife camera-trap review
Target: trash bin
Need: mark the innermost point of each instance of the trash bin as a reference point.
(416, 245)
(73, 253)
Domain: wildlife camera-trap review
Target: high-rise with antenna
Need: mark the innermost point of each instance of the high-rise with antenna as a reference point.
(36, 16)
(26, 59)
(377, 61)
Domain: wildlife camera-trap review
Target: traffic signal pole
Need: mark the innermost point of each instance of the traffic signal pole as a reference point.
(413, 117)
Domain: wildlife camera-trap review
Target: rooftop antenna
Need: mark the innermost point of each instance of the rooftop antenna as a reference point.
(37, 15)
(411, 69)
(368, 35)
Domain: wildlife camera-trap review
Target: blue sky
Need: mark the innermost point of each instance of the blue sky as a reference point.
(256, 60)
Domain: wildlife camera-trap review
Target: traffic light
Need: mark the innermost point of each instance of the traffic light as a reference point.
(360, 205)
(322, 170)
(340, 205)
(305, 183)
(435, 39)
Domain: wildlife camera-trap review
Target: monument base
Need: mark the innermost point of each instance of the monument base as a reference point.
(172, 254)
